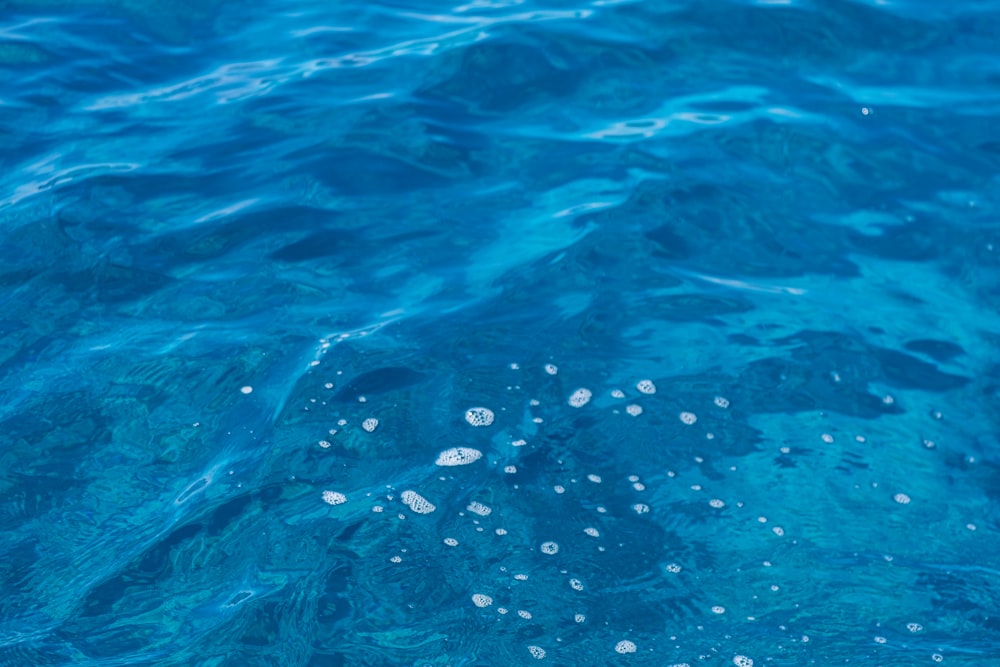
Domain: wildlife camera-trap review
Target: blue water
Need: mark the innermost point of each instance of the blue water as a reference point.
(260, 259)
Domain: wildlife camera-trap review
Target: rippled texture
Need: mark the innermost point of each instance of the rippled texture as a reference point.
(260, 259)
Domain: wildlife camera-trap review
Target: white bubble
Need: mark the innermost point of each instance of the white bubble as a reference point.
(827, 438)
(481, 600)
(639, 486)
(451, 541)
(501, 610)
(515, 366)
(579, 618)
(458, 456)
(880, 640)
(396, 559)
(778, 530)
(580, 397)
(633, 410)
(901, 498)
(937, 657)
(478, 508)
(674, 568)
(596, 479)
(625, 646)
(646, 387)
(640, 508)
(479, 416)
(558, 488)
(369, 424)
(246, 390)
(688, 418)
(519, 443)
(617, 393)
(416, 502)
(722, 402)
(510, 470)
(592, 532)
(334, 498)
(576, 584)
(550, 548)
(537, 652)
(914, 627)
(718, 610)
(500, 531)
(716, 503)
(521, 577)
(742, 661)
(551, 369)
(524, 614)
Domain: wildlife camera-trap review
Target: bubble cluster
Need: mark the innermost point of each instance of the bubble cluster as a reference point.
(722, 401)
(593, 532)
(334, 498)
(451, 541)
(417, 503)
(369, 424)
(479, 416)
(537, 652)
(576, 584)
(688, 418)
(646, 387)
(549, 548)
(580, 397)
(479, 508)
(458, 456)
(742, 661)
(901, 498)
(633, 410)
(625, 646)
(551, 369)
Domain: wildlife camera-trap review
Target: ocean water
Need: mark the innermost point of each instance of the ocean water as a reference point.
(499, 333)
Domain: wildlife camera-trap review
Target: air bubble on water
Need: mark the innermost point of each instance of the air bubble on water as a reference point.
(378, 509)
(888, 399)
(246, 390)
(551, 369)
(625, 646)
(558, 488)
(396, 559)
(341, 422)
(519, 443)
(534, 403)
(742, 661)
(458, 456)
(416, 502)
(880, 640)
(481, 600)
(617, 393)
(716, 503)
(673, 568)
(778, 530)
(722, 401)
(937, 657)
(502, 610)
(596, 479)
(633, 410)
(688, 418)
(827, 438)
(914, 627)
(324, 444)
(718, 610)
(639, 486)
(579, 618)
(334, 498)
(970, 526)
(576, 584)
(592, 532)
(901, 498)
(500, 531)
(521, 577)
(640, 508)
(451, 541)
(580, 397)
(479, 508)
(526, 615)
(370, 424)
(601, 509)
(510, 470)
(550, 548)
(537, 652)
(515, 366)
(646, 387)
(479, 416)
